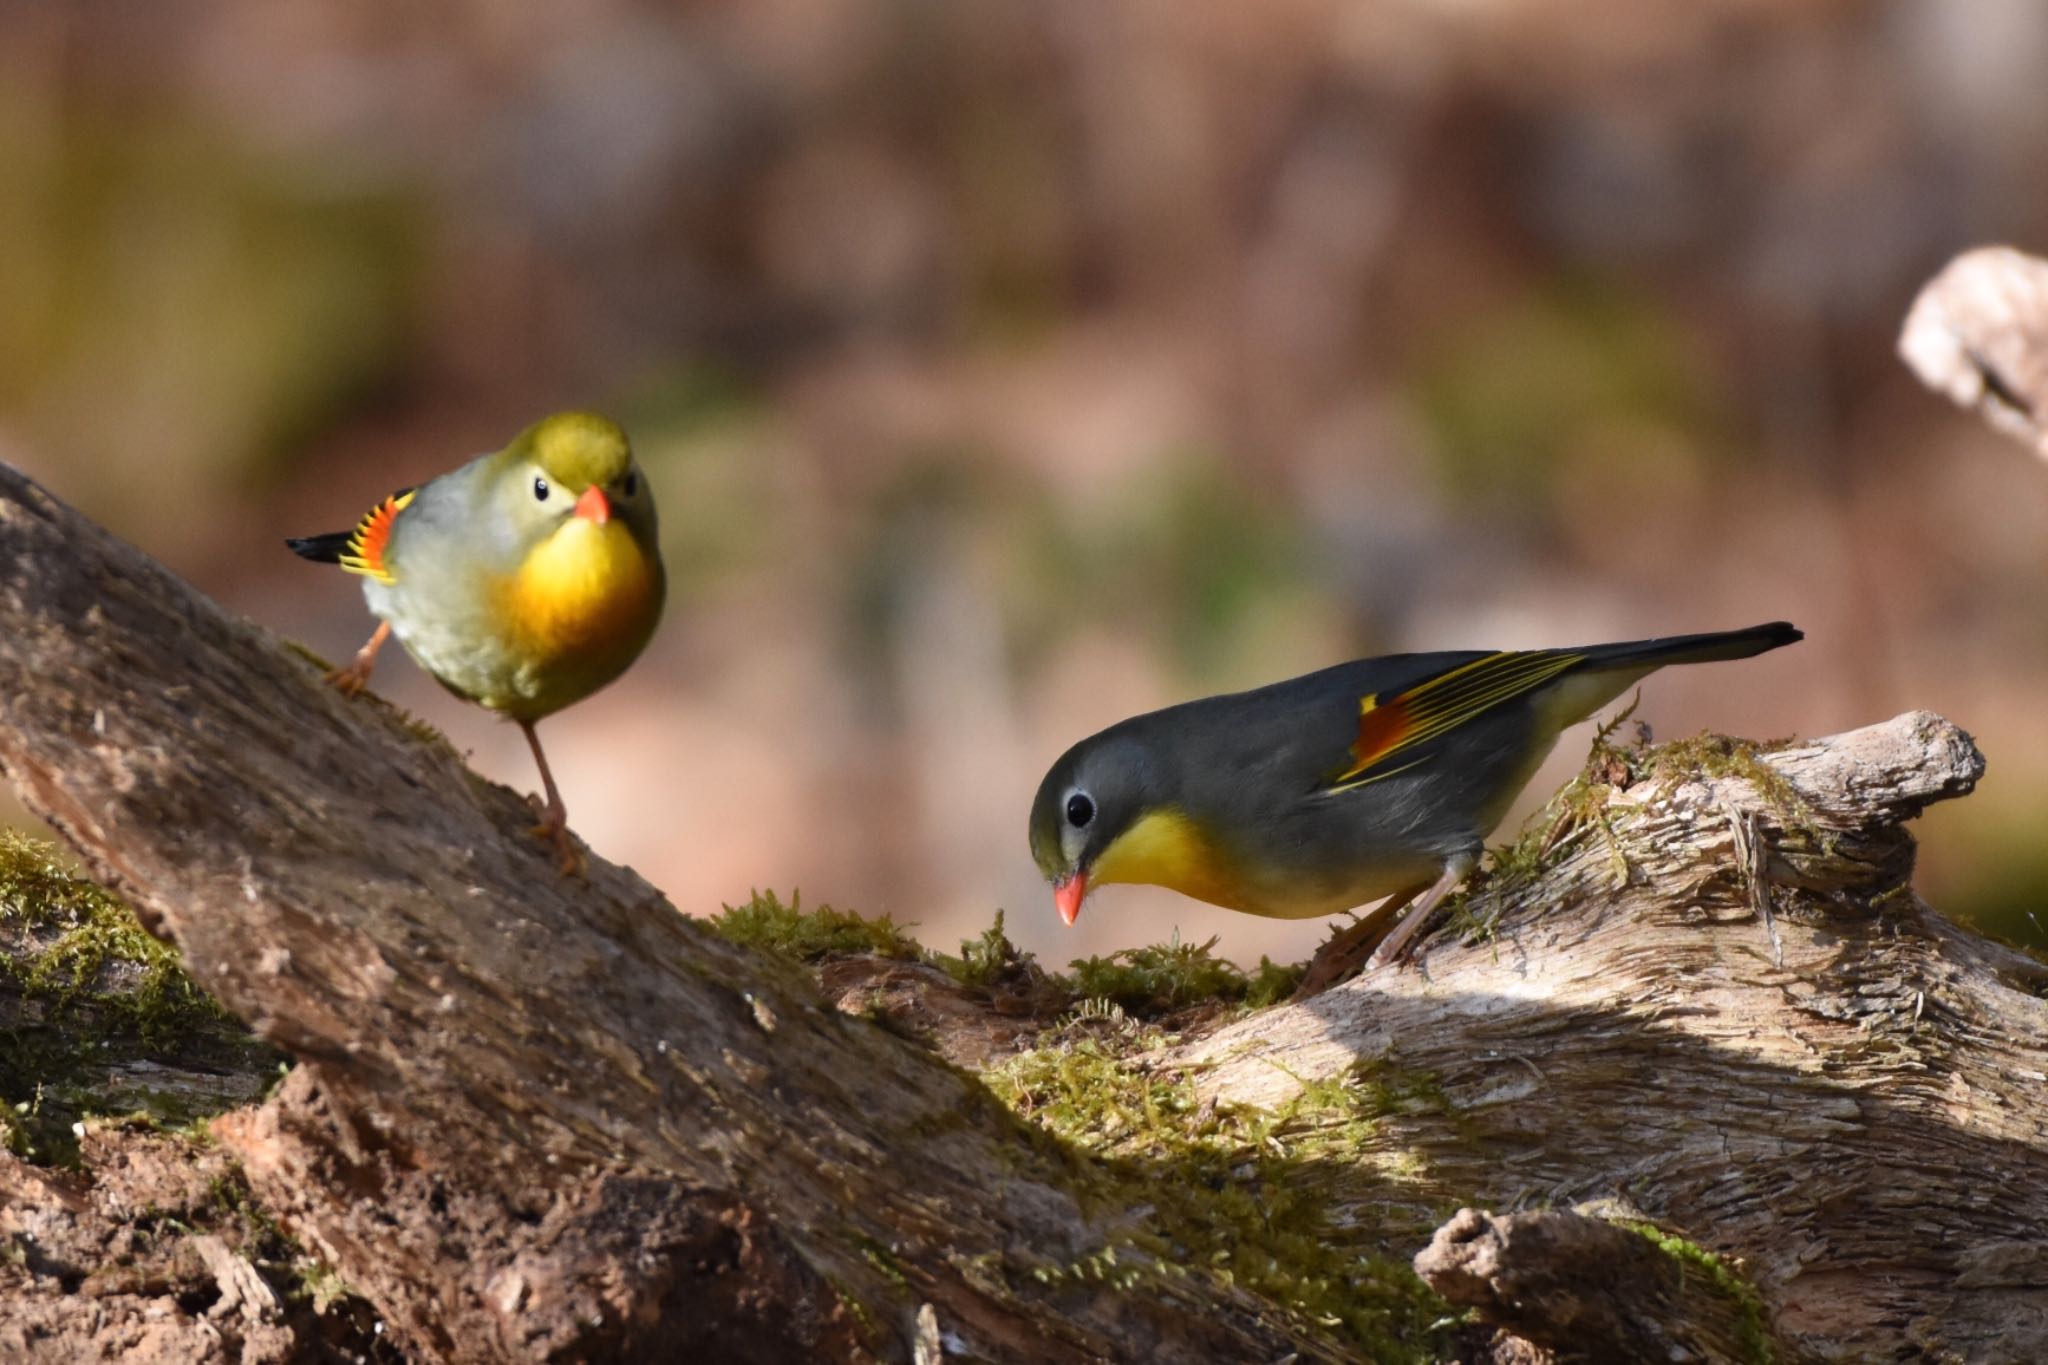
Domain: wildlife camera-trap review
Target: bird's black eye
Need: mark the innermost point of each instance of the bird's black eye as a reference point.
(540, 490)
(1080, 810)
(632, 483)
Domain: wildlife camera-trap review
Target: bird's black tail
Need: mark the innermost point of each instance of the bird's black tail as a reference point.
(1693, 649)
(327, 549)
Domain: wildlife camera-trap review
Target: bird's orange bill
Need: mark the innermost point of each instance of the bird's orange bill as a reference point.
(366, 544)
(1389, 727)
(594, 506)
(1068, 895)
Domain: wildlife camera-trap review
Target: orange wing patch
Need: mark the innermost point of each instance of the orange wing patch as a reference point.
(365, 553)
(1390, 726)
(1380, 730)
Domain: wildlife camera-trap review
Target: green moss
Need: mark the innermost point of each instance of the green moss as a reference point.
(1152, 981)
(1166, 977)
(98, 997)
(86, 936)
(808, 935)
(1242, 1195)
(1753, 1338)
(986, 959)
(1582, 810)
(885, 1262)
(1723, 756)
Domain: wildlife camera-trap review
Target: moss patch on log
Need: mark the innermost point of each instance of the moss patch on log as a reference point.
(765, 921)
(1243, 1195)
(1583, 810)
(1754, 1338)
(1149, 982)
(97, 1017)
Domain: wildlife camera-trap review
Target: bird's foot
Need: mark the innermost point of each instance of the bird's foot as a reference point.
(1335, 960)
(1392, 954)
(553, 828)
(351, 678)
(1346, 951)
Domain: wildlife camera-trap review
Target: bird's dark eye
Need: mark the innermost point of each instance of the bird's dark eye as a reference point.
(1080, 810)
(540, 490)
(632, 483)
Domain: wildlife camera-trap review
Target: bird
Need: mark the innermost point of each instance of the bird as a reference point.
(1376, 778)
(524, 581)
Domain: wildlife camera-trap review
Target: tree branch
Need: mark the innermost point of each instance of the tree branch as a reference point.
(1978, 332)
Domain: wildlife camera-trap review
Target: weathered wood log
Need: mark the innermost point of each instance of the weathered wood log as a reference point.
(545, 1118)
(1722, 1004)
(1587, 1288)
(535, 1117)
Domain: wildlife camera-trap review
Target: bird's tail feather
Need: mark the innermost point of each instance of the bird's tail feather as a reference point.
(327, 549)
(1610, 670)
(1693, 649)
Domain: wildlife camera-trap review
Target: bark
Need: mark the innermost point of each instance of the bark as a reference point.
(1563, 1280)
(546, 1118)
(159, 1258)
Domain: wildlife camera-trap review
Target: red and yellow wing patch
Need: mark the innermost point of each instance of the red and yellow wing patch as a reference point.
(1391, 726)
(366, 544)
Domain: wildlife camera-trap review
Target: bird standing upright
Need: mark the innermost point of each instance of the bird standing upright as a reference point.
(524, 581)
(1377, 778)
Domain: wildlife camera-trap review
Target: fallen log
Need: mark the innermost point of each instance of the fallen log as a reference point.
(538, 1118)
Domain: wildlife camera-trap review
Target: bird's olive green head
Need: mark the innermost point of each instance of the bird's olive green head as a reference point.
(574, 464)
(1090, 799)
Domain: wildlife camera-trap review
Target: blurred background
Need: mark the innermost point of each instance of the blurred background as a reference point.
(1005, 369)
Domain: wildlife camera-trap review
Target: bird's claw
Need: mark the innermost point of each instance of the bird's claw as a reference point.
(350, 679)
(1336, 961)
(553, 828)
(1402, 955)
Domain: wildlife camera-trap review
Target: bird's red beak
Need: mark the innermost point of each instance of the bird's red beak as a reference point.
(1068, 895)
(594, 506)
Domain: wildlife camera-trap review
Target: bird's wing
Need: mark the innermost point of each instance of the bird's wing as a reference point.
(1394, 727)
(366, 544)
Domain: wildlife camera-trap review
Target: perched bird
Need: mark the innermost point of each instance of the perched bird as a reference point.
(1377, 778)
(524, 581)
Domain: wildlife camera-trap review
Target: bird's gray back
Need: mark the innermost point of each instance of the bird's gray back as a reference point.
(1259, 767)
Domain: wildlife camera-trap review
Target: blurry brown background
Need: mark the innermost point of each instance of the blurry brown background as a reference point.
(1005, 368)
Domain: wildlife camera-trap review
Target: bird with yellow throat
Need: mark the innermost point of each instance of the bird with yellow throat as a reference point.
(524, 581)
(1379, 778)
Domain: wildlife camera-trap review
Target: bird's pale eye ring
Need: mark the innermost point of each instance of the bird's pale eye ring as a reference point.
(631, 484)
(1080, 810)
(540, 489)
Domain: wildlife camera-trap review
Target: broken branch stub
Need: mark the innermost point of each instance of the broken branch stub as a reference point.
(1978, 332)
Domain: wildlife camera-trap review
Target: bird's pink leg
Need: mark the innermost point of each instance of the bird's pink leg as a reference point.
(351, 678)
(554, 816)
(1394, 948)
(1340, 957)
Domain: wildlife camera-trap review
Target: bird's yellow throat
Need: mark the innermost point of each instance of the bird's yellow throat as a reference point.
(587, 587)
(1164, 847)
